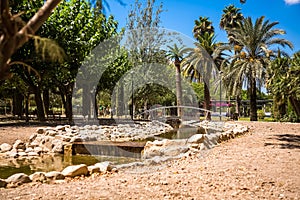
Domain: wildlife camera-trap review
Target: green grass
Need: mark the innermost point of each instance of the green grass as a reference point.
(266, 119)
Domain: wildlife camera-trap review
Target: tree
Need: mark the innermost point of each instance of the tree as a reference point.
(177, 54)
(14, 33)
(200, 58)
(78, 29)
(202, 26)
(231, 18)
(283, 83)
(249, 66)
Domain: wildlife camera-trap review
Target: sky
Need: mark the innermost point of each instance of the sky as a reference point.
(179, 15)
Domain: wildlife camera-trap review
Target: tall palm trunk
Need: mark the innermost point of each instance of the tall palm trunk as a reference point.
(238, 104)
(178, 87)
(253, 107)
(207, 101)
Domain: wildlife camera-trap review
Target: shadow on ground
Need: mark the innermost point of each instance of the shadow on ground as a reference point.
(286, 141)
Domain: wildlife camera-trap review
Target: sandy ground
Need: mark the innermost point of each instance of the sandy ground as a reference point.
(263, 164)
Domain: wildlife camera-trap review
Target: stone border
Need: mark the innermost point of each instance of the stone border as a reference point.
(154, 153)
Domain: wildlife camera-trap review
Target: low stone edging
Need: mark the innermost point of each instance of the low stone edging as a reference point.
(154, 152)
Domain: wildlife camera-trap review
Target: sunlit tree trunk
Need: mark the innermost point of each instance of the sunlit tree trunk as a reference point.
(253, 97)
(206, 104)
(178, 88)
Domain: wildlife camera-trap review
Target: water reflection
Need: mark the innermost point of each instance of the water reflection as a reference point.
(48, 163)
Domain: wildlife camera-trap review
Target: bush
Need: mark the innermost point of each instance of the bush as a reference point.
(261, 114)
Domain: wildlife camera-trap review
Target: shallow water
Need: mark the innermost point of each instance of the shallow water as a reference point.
(48, 163)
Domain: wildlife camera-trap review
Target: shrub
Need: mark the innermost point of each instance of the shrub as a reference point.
(261, 114)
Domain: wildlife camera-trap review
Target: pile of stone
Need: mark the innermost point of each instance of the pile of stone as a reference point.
(69, 172)
(196, 143)
(51, 140)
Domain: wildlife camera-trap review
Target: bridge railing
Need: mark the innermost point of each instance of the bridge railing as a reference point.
(164, 112)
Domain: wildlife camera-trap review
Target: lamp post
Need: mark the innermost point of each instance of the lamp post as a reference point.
(131, 95)
(220, 95)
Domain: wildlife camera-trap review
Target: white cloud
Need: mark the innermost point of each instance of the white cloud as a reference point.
(291, 2)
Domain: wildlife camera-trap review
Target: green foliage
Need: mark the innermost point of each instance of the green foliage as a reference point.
(199, 90)
(261, 114)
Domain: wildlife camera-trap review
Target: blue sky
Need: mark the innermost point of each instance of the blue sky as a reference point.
(181, 14)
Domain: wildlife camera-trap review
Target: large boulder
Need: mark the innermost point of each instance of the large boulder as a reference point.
(75, 170)
(104, 166)
(5, 147)
(54, 175)
(18, 178)
(38, 177)
(164, 148)
(196, 139)
(93, 169)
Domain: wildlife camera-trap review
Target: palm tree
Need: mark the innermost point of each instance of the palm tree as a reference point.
(199, 61)
(176, 53)
(249, 66)
(231, 18)
(203, 25)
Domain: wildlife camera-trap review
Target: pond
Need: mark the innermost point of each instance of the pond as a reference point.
(47, 163)
(99, 153)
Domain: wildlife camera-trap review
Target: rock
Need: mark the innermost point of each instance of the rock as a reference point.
(19, 144)
(174, 150)
(75, 170)
(12, 154)
(38, 177)
(40, 130)
(32, 137)
(51, 133)
(196, 139)
(33, 154)
(54, 175)
(18, 178)
(3, 183)
(58, 146)
(104, 166)
(76, 139)
(29, 149)
(38, 150)
(22, 154)
(93, 169)
(61, 128)
(5, 147)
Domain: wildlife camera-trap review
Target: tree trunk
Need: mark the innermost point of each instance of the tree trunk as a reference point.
(238, 104)
(39, 105)
(27, 108)
(18, 104)
(46, 101)
(68, 108)
(295, 104)
(120, 101)
(178, 88)
(86, 103)
(253, 106)
(206, 104)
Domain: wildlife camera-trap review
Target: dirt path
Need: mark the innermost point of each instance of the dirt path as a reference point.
(264, 164)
